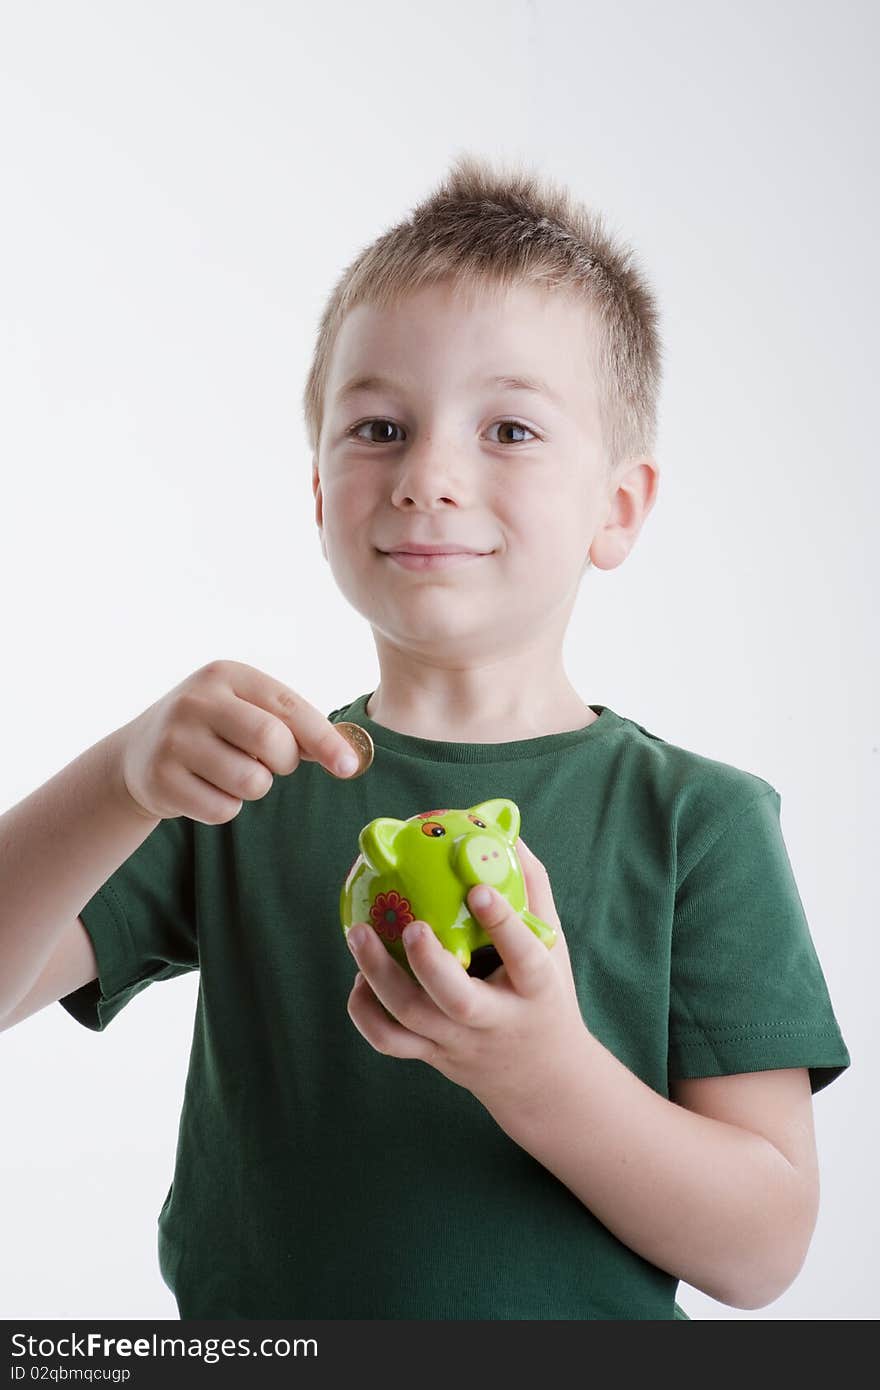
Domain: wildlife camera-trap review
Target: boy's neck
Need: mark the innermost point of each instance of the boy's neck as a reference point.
(555, 716)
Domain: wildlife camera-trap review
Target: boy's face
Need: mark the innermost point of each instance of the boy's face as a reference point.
(443, 456)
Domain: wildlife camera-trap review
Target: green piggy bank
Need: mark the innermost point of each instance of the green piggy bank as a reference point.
(423, 868)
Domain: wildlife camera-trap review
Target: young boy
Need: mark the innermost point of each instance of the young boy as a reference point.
(570, 1134)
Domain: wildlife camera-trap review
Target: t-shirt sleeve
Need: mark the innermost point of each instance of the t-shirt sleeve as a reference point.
(747, 992)
(142, 923)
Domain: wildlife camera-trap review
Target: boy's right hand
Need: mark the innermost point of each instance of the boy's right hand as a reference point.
(215, 741)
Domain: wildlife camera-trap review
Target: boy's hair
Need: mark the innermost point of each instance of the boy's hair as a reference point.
(485, 230)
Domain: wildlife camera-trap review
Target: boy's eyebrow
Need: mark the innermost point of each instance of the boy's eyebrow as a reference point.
(510, 383)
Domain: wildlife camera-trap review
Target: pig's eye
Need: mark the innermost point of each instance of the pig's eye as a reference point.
(431, 827)
(480, 823)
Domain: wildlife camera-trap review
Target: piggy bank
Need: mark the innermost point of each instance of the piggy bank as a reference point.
(424, 868)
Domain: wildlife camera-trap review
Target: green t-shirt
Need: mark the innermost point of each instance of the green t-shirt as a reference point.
(318, 1178)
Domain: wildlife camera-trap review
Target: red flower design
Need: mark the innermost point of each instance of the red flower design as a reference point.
(389, 914)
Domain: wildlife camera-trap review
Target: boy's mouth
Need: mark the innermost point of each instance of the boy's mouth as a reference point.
(445, 560)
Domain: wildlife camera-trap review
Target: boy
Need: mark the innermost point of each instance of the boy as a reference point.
(588, 1124)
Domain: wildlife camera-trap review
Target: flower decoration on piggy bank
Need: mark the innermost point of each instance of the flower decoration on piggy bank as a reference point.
(423, 868)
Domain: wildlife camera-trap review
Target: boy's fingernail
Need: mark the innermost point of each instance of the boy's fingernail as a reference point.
(481, 897)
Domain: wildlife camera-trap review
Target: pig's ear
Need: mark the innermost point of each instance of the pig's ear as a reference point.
(500, 812)
(377, 842)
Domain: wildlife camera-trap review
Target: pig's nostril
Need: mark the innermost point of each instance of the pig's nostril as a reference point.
(484, 856)
(494, 854)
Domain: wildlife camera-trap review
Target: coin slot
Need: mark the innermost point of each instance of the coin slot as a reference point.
(484, 960)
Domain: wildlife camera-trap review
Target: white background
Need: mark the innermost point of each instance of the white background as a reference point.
(182, 184)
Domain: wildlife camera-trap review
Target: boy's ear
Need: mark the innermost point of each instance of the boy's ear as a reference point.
(634, 496)
(319, 503)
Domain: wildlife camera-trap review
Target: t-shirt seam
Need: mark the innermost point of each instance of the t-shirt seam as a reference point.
(111, 899)
(683, 1037)
(723, 828)
(484, 762)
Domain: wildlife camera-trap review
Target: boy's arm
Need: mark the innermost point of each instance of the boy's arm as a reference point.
(57, 847)
(714, 1203)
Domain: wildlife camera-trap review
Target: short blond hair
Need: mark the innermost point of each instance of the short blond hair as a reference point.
(490, 228)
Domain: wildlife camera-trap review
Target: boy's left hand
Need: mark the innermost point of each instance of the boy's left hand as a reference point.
(503, 1037)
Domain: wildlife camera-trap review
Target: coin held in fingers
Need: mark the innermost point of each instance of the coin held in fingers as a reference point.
(361, 743)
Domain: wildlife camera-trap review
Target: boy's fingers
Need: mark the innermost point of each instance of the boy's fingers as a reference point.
(516, 943)
(320, 742)
(316, 736)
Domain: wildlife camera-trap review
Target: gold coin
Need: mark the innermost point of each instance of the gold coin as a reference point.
(361, 743)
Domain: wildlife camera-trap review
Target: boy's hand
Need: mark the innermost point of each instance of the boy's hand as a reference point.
(502, 1037)
(217, 740)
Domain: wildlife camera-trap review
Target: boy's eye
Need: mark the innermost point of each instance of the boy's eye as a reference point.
(389, 423)
(378, 420)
